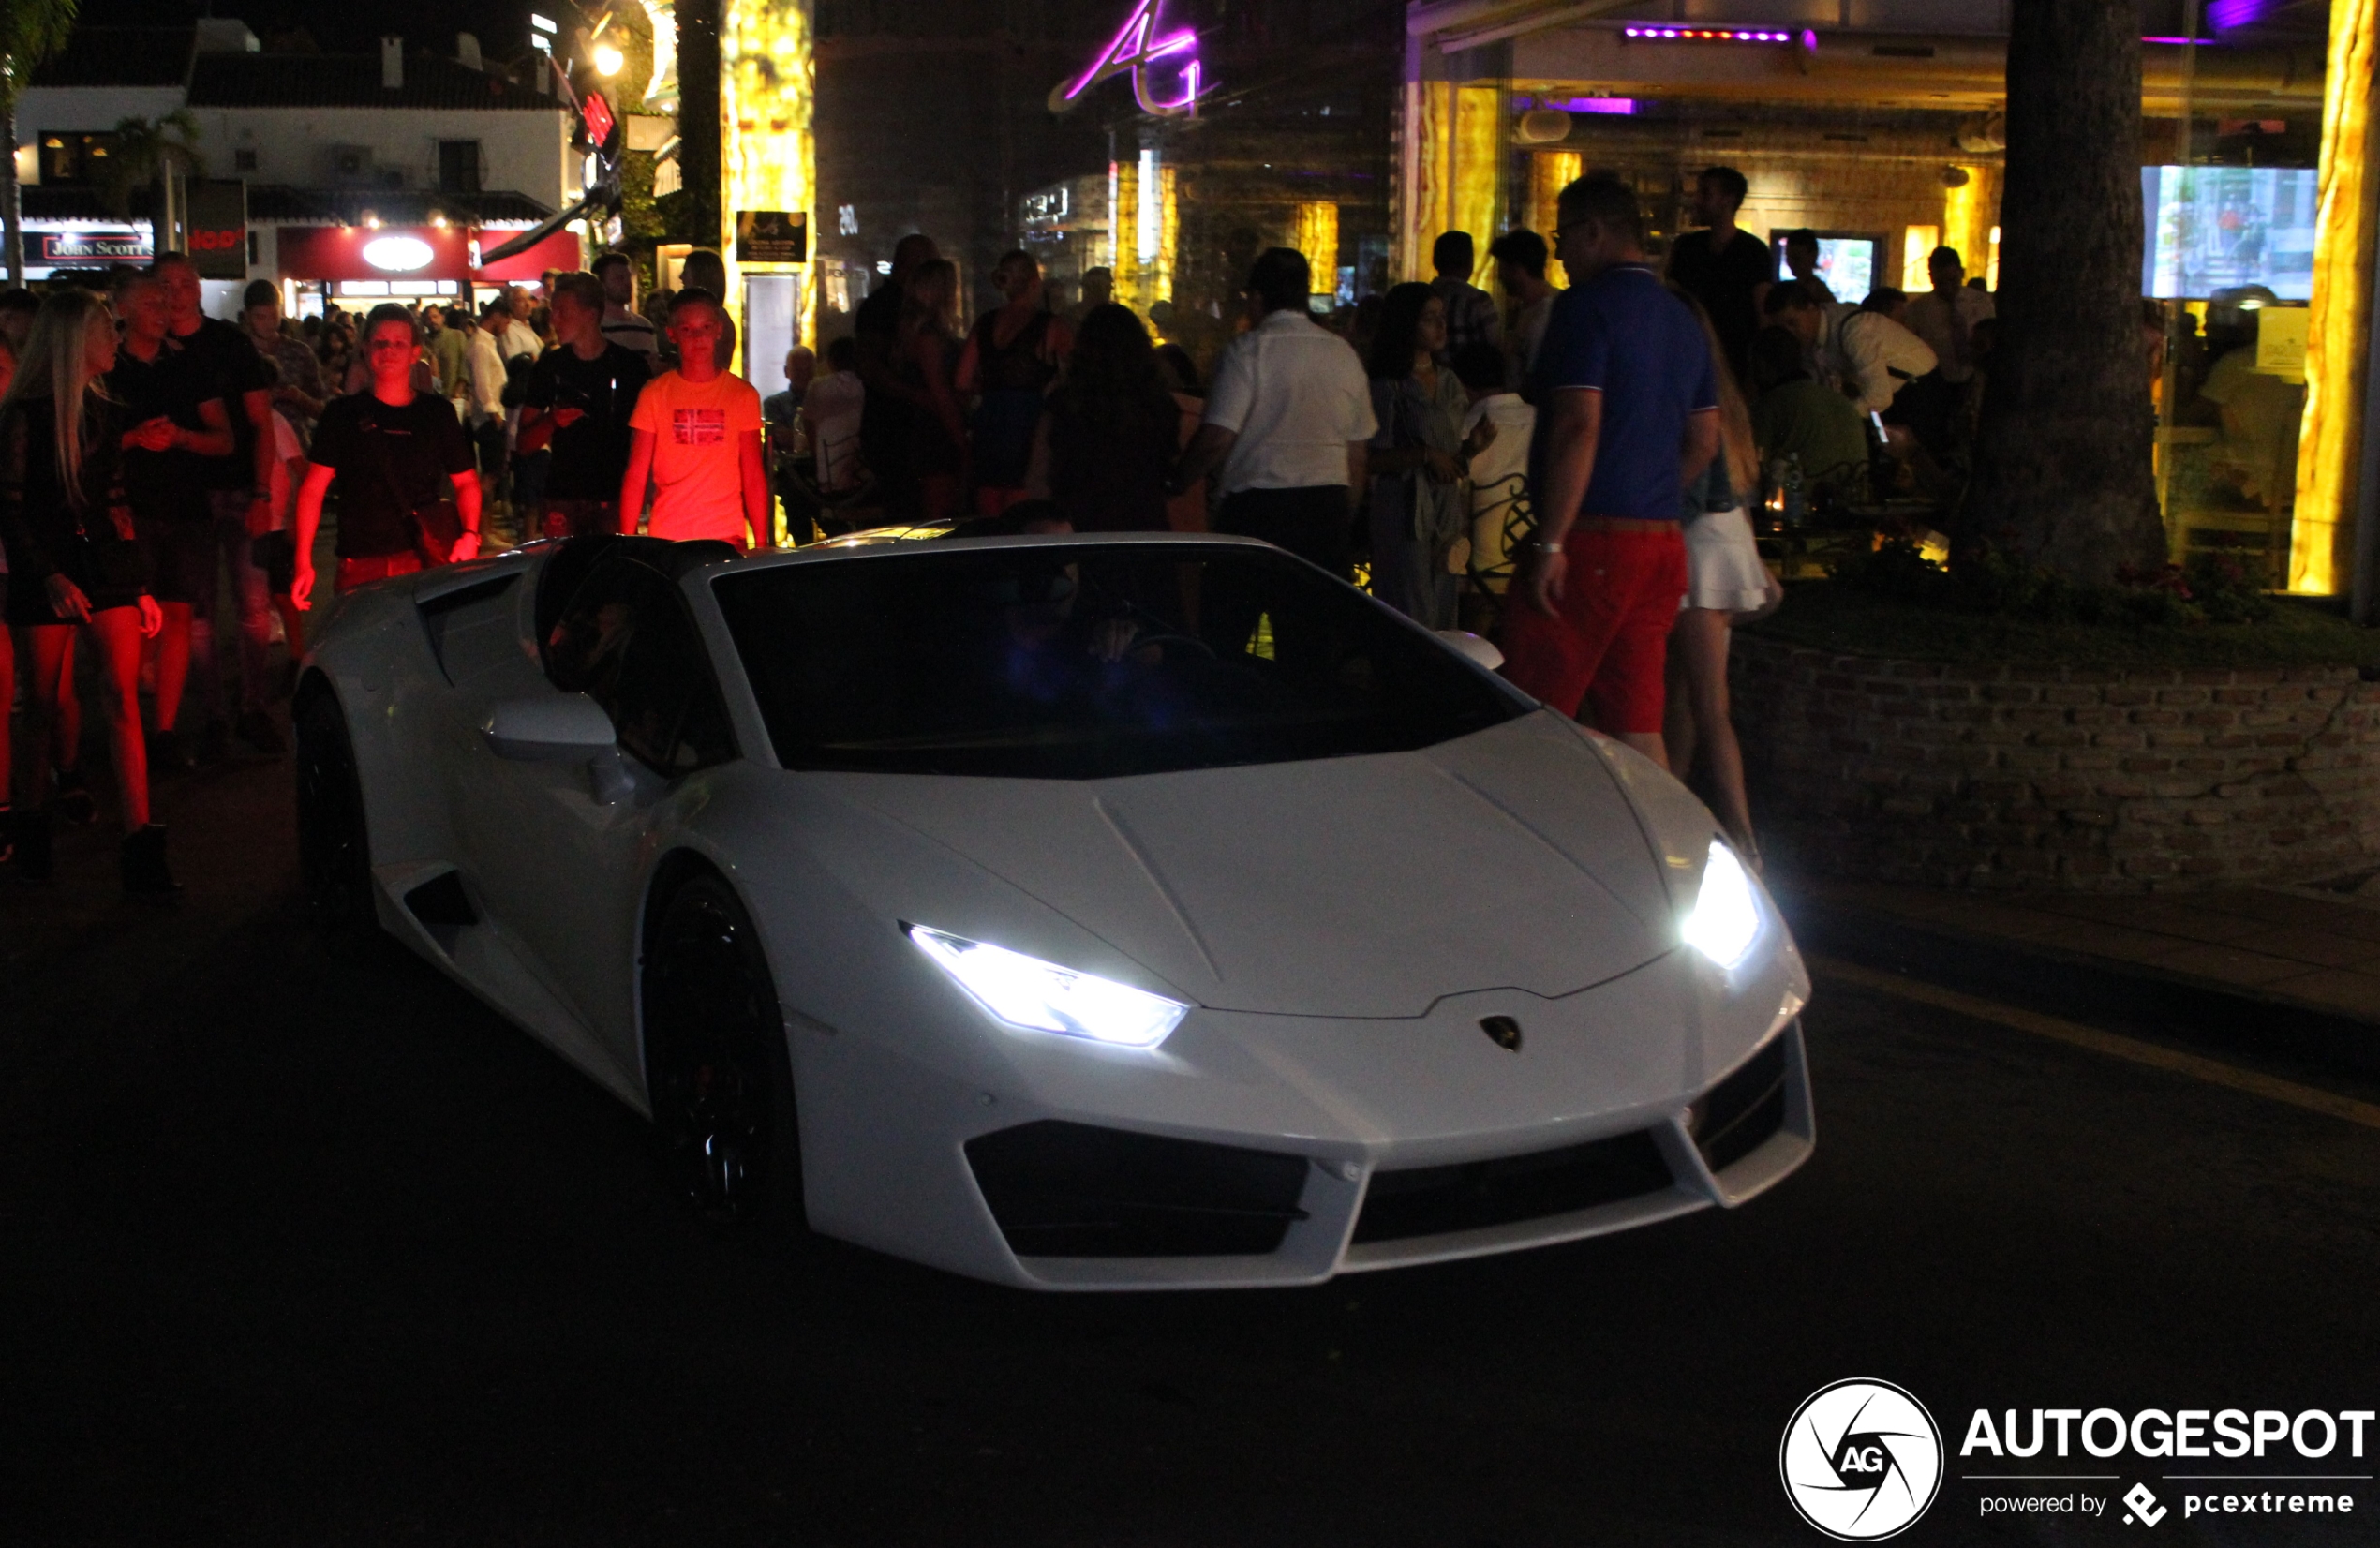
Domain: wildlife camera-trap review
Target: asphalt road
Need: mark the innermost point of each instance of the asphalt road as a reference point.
(304, 1251)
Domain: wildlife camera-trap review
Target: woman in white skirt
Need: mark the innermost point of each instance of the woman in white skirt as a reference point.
(1725, 580)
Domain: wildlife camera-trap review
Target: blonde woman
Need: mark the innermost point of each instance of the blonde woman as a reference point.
(1725, 580)
(927, 359)
(73, 563)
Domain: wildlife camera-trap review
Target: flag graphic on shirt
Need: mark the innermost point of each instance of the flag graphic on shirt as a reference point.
(698, 427)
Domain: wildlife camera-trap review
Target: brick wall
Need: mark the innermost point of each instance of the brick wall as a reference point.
(2049, 777)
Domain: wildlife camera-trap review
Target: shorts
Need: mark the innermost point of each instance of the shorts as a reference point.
(1723, 569)
(1601, 657)
(365, 570)
(182, 560)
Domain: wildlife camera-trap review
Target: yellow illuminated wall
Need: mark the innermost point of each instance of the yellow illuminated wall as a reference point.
(1143, 228)
(768, 147)
(1917, 245)
(1969, 212)
(1319, 240)
(2329, 444)
(1453, 153)
(1550, 172)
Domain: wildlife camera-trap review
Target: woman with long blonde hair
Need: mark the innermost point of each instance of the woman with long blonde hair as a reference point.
(926, 360)
(1725, 580)
(73, 562)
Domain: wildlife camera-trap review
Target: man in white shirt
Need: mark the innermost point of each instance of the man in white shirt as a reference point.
(1945, 317)
(1290, 417)
(1859, 351)
(483, 401)
(519, 337)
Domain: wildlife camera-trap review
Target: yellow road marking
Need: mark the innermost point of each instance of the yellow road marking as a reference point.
(2113, 1045)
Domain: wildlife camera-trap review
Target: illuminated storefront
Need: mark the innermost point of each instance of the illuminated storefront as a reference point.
(767, 100)
(1165, 141)
(359, 266)
(1885, 138)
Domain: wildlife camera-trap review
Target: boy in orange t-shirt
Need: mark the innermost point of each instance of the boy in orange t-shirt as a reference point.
(695, 440)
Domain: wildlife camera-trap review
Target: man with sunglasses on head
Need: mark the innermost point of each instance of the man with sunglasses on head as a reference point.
(1627, 415)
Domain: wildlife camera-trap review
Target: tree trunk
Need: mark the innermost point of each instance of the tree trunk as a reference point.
(2063, 455)
(12, 203)
(698, 120)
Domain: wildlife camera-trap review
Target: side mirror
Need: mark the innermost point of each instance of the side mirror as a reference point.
(1472, 647)
(570, 726)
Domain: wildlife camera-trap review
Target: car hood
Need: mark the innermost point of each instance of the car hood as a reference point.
(1366, 886)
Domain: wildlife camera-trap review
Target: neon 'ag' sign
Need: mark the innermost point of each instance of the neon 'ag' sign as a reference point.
(1140, 50)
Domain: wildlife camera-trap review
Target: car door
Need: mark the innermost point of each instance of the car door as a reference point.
(564, 842)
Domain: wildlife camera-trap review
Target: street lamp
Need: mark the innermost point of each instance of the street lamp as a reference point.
(608, 60)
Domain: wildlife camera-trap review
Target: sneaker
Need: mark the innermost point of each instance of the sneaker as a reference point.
(75, 803)
(257, 729)
(145, 869)
(215, 742)
(168, 753)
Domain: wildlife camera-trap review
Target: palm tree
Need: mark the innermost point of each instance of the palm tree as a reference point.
(30, 31)
(151, 153)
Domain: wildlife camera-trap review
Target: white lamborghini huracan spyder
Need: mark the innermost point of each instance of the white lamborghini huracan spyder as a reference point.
(1077, 913)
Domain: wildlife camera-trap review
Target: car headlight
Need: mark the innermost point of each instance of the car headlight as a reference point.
(1038, 996)
(1725, 921)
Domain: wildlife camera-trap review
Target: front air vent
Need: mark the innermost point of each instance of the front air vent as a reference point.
(1073, 1190)
(439, 612)
(1738, 1115)
(1473, 1195)
(443, 908)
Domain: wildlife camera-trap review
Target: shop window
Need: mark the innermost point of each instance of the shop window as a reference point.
(72, 158)
(458, 166)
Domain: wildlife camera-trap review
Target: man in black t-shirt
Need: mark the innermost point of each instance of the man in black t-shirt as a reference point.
(393, 451)
(1727, 269)
(885, 416)
(580, 395)
(239, 484)
(172, 424)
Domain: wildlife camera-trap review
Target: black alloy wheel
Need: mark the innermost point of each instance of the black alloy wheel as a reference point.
(715, 1064)
(334, 856)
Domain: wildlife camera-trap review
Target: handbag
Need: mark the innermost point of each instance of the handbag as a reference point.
(437, 522)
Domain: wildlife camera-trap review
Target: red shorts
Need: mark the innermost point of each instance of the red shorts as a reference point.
(374, 567)
(1600, 657)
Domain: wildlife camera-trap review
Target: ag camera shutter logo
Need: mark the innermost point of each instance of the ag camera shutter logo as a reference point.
(1861, 1460)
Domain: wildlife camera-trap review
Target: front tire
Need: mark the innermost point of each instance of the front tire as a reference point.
(716, 1069)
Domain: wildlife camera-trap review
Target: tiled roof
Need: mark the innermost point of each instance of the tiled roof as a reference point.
(72, 203)
(119, 56)
(351, 81)
(271, 202)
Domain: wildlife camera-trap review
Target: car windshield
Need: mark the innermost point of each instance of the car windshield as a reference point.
(1081, 661)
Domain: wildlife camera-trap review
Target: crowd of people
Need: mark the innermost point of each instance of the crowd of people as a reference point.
(1573, 469)
(159, 467)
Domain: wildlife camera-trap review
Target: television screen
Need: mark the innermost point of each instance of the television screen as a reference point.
(2213, 227)
(1846, 263)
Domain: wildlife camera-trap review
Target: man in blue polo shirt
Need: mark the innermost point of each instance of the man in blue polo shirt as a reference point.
(1628, 414)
